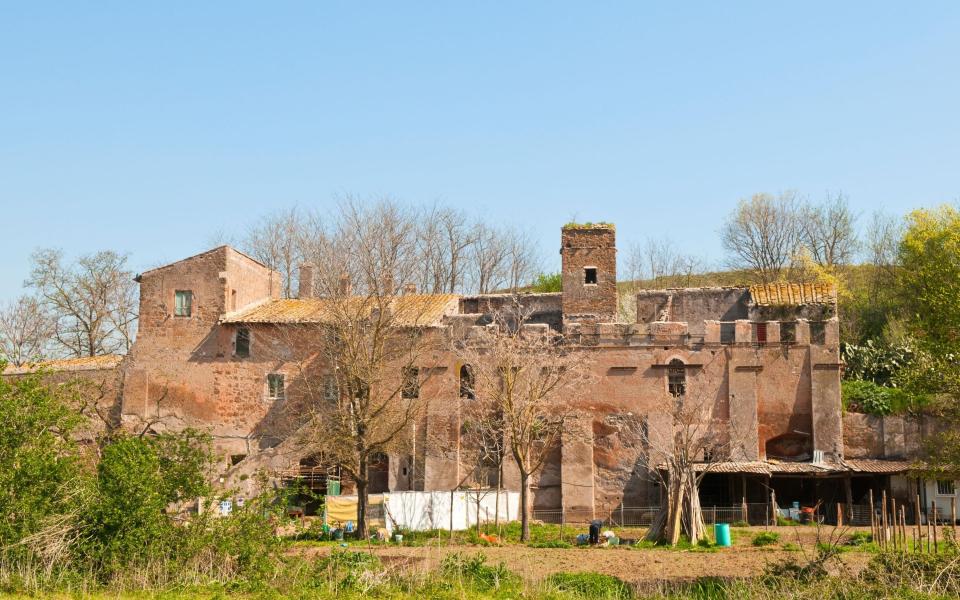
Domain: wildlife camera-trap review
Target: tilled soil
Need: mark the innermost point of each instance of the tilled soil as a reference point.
(633, 565)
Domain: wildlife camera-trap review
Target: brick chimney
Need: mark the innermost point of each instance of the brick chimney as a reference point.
(388, 285)
(305, 289)
(410, 288)
(346, 288)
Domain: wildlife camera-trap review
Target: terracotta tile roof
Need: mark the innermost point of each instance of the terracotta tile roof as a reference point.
(86, 363)
(793, 294)
(411, 309)
(874, 465)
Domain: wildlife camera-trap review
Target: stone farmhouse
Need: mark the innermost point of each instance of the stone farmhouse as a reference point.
(209, 355)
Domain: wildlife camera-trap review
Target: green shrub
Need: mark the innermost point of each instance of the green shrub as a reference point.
(345, 570)
(474, 571)
(765, 538)
(547, 282)
(859, 538)
(591, 585)
(870, 398)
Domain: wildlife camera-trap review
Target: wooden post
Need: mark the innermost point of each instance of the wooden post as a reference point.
(894, 524)
(933, 513)
(562, 521)
(773, 506)
(953, 518)
(929, 535)
(916, 516)
(743, 511)
(883, 518)
(903, 525)
(873, 521)
(839, 514)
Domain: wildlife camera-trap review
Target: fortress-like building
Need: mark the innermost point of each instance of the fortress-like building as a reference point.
(218, 349)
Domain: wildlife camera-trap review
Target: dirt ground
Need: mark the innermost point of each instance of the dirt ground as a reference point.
(629, 564)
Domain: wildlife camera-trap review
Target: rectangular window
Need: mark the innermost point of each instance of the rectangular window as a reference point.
(242, 344)
(275, 386)
(945, 487)
(182, 303)
(590, 275)
(788, 332)
(411, 383)
(759, 333)
(331, 392)
(728, 332)
(818, 332)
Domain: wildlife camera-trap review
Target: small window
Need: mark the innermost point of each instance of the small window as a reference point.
(759, 333)
(236, 458)
(466, 382)
(411, 383)
(728, 332)
(676, 378)
(818, 332)
(945, 487)
(275, 386)
(590, 275)
(182, 303)
(788, 332)
(331, 392)
(233, 300)
(242, 344)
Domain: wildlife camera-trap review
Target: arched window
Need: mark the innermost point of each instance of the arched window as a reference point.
(676, 378)
(466, 382)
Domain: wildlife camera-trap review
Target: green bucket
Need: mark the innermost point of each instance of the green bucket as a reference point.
(721, 532)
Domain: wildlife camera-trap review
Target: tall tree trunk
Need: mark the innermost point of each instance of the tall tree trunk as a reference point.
(362, 500)
(524, 506)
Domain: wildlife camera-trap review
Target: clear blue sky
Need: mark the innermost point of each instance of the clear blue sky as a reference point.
(147, 129)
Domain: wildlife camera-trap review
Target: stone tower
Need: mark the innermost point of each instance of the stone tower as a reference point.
(589, 270)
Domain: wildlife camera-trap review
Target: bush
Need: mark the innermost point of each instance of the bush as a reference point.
(765, 538)
(870, 398)
(473, 570)
(859, 538)
(547, 282)
(591, 585)
(346, 570)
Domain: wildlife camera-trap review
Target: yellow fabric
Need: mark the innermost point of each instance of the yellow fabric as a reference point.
(341, 509)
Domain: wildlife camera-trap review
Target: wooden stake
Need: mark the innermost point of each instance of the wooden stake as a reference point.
(916, 517)
(953, 518)
(884, 535)
(933, 511)
(873, 522)
(894, 522)
(839, 514)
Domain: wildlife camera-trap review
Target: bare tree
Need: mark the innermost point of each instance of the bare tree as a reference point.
(26, 331)
(828, 231)
(762, 235)
(93, 301)
(488, 257)
(523, 375)
(367, 383)
(283, 240)
(655, 263)
(683, 445)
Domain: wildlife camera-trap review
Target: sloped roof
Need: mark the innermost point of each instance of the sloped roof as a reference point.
(410, 309)
(793, 294)
(204, 253)
(876, 465)
(86, 363)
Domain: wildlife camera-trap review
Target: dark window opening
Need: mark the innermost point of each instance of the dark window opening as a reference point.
(233, 300)
(590, 275)
(788, 332)
(759, 333)
(236, 458)
(466, 382)
(818, 332)
(242, 344)
(728, 332)
(275, 386)
(182, 303)
(411, 383)
(676, 378)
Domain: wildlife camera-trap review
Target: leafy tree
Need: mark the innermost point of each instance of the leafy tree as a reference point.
(547, 282)
(40, 467)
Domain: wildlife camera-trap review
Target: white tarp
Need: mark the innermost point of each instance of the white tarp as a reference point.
(420, 511)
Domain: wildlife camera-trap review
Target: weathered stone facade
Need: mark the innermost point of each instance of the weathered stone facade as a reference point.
(766, 360)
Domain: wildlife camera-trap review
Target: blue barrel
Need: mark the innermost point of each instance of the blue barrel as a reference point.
(721, 531)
